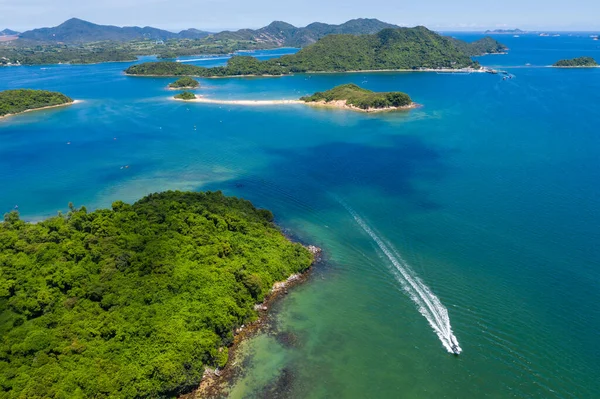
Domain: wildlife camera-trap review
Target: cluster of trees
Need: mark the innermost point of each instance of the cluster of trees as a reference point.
(166, 68)
(20, 100)
(403, 48)
(577, 62)
(236, 66)
(133, 301)
(186, 95)
(184, 83)
(361, 98)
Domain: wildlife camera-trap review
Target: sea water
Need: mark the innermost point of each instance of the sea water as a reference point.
(486, 198)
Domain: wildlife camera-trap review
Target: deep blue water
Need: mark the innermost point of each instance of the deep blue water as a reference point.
(490, 193)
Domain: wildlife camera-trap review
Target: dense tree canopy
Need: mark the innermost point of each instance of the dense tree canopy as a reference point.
(361, 98)
(577, 62)
(133, 301)
(186, 95)
(20, 100)
(185, 82)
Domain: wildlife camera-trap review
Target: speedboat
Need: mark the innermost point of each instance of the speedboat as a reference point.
(454, 346)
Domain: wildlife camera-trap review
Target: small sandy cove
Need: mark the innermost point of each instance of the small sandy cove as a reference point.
(341, 104)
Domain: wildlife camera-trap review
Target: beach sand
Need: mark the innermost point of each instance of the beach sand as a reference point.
(323, 104)
(240, 102)
(42, 108)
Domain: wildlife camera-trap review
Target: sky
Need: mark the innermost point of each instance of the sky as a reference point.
(216, 15)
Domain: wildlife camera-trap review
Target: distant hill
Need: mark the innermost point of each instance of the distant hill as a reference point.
(504, 31)
(193, 34)
(282, 34)
(79, 31)
(8, 32)
(486, 45)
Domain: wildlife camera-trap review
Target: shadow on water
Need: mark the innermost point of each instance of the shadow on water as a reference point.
(394, 168)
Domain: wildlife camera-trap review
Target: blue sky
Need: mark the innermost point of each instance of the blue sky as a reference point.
(233, 14)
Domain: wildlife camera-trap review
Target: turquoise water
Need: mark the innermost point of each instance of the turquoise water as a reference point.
(489, 194)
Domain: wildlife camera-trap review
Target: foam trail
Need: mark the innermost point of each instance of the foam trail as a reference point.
(428, 304)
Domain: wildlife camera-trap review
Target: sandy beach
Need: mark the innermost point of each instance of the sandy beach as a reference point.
(42, 108)
(323, 104)
(240, 102)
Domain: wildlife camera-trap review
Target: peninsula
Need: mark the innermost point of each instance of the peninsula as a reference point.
(147, 295)
(184, 83)
(17, 101)
(580, 62)
(402, 49)
(351, 96)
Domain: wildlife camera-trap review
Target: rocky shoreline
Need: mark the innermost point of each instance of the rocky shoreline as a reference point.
(342, 104)
(215, 381)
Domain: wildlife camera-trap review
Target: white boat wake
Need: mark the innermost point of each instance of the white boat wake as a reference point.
(428, 304)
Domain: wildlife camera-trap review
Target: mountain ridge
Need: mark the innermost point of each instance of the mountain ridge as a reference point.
(277, 33)
(77, 30)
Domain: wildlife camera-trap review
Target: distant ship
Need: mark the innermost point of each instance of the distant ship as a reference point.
(516, 36)
(544, 34)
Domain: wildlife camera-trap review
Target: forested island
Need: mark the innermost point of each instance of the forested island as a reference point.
(23, 100)
(133, 301)
(483, 46)
(580, 62)
(184, 83)
(355, 97)
(186, 95)
(391, 49)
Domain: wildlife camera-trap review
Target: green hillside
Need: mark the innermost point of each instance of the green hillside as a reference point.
(402, 48)
(361, 98)
(134, 301)
(20, 100)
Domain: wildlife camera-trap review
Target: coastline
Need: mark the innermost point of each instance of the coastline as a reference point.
(575, 66)
(214, 381)
(445, 70)
(42, 108)
(340, 104)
